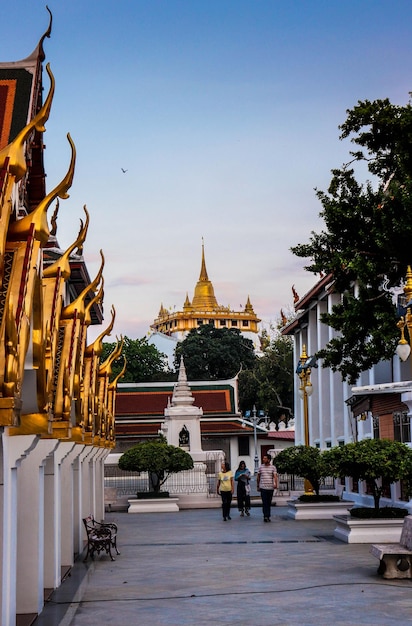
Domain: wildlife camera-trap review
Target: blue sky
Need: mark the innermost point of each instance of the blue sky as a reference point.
(225, 115)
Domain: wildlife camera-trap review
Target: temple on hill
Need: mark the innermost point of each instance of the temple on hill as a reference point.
(204, 309)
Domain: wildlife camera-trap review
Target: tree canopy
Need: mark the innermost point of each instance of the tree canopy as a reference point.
(367, 235)
(144, 361)
(303, 461)
(269, 384)
(158, 458)
(211, 353)
(371, 460)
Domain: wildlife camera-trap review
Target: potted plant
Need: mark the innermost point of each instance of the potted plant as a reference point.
(303, 461)
(307, 462)
(158, 459)
(377, 462)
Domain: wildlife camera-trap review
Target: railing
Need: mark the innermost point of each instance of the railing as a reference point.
(202, 479)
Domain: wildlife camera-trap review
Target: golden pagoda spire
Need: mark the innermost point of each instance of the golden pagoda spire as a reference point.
(204, 297)
(203, 271)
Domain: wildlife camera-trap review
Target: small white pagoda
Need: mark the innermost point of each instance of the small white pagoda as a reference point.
(182, 428)
(182, 419)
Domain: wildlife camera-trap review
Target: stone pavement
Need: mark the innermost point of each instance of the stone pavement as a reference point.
(191, 568)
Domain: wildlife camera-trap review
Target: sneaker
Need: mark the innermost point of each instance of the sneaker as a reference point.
(228, 517)
(265, 519)
(224, 519)
(247, 513)
(242, 514)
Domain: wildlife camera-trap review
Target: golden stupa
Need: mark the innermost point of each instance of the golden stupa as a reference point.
(204, 309)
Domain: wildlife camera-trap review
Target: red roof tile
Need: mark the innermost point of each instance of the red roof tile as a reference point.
(155, 402)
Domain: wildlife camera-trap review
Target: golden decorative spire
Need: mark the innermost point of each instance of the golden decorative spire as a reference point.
(204, 297)
(63, 263)
(19, 230)
(79, 303)
(248, 306)
(15, 149)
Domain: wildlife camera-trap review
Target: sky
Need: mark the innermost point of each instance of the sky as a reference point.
(225, 114)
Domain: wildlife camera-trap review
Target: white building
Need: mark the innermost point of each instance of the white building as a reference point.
(335, 412)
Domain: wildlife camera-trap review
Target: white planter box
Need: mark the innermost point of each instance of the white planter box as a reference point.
(317, 510)
(153, 505)
(353, 530)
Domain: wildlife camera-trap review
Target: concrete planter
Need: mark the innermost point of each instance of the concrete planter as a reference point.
(353, 530)
(317, 510)
(153, 505)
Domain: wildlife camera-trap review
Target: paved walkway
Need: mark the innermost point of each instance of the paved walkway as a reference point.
(191, 568)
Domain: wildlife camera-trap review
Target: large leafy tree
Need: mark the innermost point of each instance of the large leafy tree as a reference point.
(269, 384)
(144, 362)
(366, 241)
(158, 458)
(211, 353)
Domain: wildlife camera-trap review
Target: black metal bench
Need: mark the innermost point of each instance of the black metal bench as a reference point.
(101, 537)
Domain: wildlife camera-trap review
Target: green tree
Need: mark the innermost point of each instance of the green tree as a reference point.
(303, 461)
(211, 353)
(376, 461)
(365, 244)
(158, 459)
(269, 385)
(144, 361)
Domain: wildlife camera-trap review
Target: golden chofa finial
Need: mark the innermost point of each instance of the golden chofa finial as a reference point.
(78, 304)
(97, 345)
(97, 298)
(106, 366)
(120, 375)
(19, 230)
(63, 263)
(15, 149)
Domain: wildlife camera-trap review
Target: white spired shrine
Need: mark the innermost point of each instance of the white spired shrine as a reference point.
(182, 428)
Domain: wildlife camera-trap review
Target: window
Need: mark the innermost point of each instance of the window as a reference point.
(234, 322)
(199, 322)
(401, 426)
(212, 322)
(245, 323)
(222, 322)
(243, 446)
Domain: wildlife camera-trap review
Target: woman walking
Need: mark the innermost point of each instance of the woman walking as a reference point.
(226, 487)
(242, 476)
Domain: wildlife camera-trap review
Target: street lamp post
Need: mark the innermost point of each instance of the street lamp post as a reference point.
(403, 348)
(303, 370)
(254, 419)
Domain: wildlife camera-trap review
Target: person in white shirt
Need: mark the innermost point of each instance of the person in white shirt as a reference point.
(267, 482)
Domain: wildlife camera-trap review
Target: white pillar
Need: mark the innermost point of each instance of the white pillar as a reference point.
(30, 528)
(13, 450)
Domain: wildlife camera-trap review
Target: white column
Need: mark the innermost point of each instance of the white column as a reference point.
(30, 528)
(13, 450)
(68, 504)
(52, 520)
